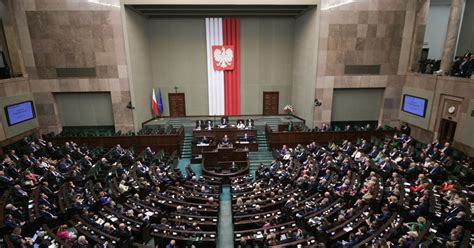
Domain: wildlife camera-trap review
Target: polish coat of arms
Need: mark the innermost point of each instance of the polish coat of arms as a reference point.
(223, 58)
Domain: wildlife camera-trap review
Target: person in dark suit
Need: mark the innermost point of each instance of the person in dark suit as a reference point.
(224, 121)
(437, 174)
(325, 128)
(19, 194)
(50, 149)
(5, 180)
(225, 140)
(447, 149)
(459, 206)
(373, 153)
(26, 162)
(118, 151)
(466, 67)
(205, 140)
(453, 221)
(245, 138)
(249, 124)
(172, 244)
(45, 214)
(123, 232)
(44, 200)
(405, 129)
(13, 156)
(386, 167)
(63, 166)
(11, 223)
(365, 147)
(422, 209)
(18, 240)
(348, 148)
(85, 162)
(209, 125)
(81, 242)
(44, 188)
(199, 125)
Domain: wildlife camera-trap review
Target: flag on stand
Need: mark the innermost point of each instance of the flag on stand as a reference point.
(160, 102)
(154, 104)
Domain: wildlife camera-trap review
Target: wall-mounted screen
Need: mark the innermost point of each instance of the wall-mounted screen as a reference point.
(414, 105)
(19, 112)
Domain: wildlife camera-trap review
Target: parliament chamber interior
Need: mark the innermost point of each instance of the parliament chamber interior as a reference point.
(236, 123)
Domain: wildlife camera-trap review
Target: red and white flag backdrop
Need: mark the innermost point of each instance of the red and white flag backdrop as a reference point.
(223, 65)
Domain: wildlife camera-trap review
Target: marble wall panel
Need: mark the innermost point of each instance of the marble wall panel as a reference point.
(68, 34)
(365, 32)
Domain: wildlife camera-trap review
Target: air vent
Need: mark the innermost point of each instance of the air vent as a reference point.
(76, 72)
(362, 69)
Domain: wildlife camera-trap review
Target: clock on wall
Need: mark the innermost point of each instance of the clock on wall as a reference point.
(451, 109)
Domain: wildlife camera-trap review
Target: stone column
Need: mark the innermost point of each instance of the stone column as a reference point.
(451, 35)
(422, 9)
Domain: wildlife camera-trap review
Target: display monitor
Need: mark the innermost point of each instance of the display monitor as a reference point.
(19, 112)
(414, 105)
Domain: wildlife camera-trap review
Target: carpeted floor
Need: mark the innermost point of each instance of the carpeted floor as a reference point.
(194, 167)
(197, 169)
(182, 163)
(225, 229)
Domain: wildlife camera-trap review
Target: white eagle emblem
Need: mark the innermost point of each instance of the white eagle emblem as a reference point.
(223, 57)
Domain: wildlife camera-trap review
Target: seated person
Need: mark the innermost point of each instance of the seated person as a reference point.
(18, 240)
(225, 140)
(209, 125)
(245, 138)
(240, 124)
(64, 234)
(204, 140)
(233, 167)
(199, 125)
(249, 123)
(224, 121)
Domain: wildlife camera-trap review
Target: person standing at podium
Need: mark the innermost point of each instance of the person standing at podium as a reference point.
(225, 140)
(245, 138)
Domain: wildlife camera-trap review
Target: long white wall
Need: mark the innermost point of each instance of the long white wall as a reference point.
(138, 53)
(305, 64)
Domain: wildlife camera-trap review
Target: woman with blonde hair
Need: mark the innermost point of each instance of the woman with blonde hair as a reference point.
(418, 226)
(64, 234)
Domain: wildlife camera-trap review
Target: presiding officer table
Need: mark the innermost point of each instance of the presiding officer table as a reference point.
(215, 135)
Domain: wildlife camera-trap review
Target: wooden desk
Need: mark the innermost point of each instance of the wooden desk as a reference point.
(250, 146)
(168, 142)
(276, 140)
(199, 148)
(218, 133)
(223, 154)
(218, 162)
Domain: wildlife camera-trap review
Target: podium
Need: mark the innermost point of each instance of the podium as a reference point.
(218, 162)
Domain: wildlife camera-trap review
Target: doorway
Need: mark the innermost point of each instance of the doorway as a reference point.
(270, 102)
(177, 104)
(447, 130)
